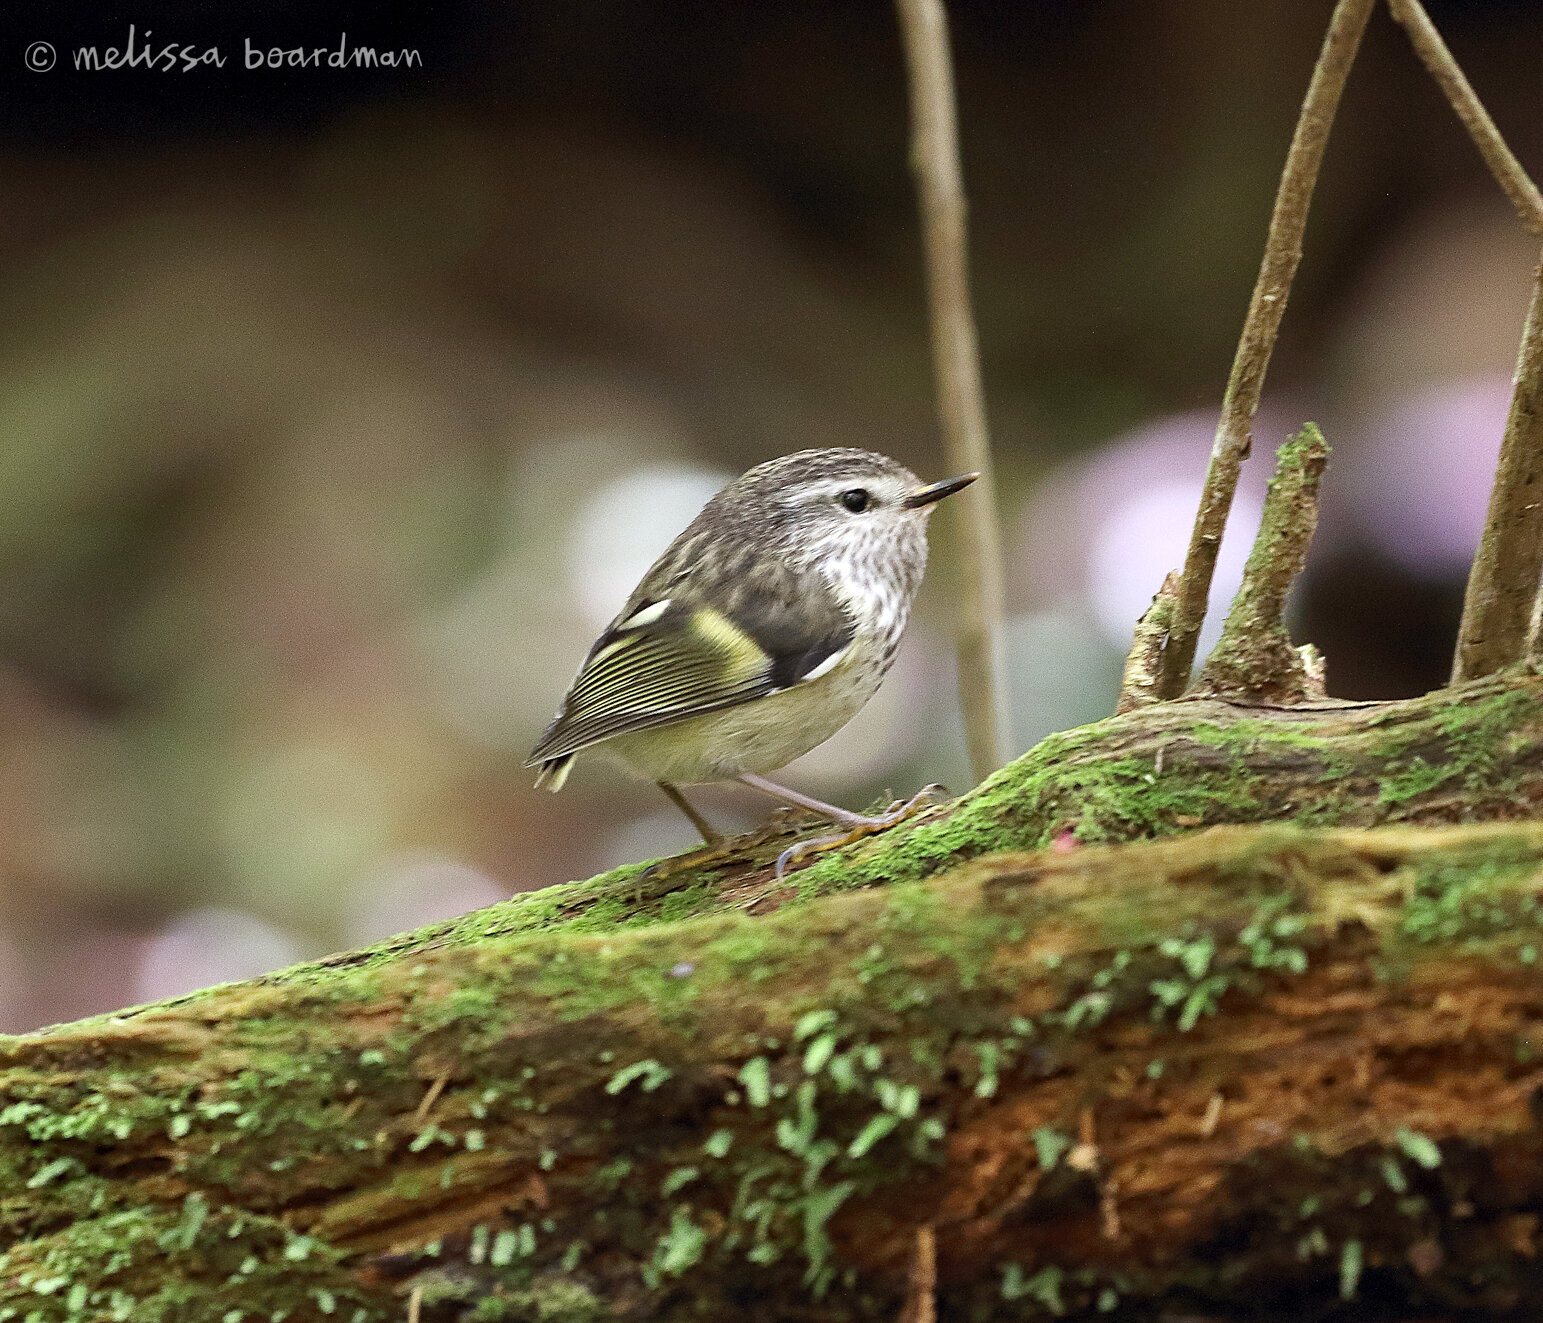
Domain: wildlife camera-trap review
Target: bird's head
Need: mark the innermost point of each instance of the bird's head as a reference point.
(837, 502)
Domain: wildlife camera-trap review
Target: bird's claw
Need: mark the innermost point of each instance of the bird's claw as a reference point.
(899, 811)
(902, 809)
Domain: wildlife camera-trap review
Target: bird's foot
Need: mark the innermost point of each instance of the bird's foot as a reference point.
(725, 847)
(857, 827)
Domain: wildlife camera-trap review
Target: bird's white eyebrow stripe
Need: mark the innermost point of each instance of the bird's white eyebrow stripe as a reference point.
(645, 615)
(831, 486)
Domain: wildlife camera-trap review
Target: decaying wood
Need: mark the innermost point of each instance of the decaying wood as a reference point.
(1286, 1067)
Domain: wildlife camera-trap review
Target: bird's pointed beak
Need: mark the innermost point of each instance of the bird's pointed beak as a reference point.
(924, 496)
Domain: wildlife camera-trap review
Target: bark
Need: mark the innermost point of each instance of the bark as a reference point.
(981, 1066)
(1254, 659)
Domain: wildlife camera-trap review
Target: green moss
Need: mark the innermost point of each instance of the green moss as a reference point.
(1066, 784)
(177, 1264)
(1463, 900)
(1461, 744)
(1413, 777)
(559, 1300)
(876, 1020)
(1029, 802)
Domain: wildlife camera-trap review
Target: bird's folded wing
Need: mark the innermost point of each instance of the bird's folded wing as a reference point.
(665, 661)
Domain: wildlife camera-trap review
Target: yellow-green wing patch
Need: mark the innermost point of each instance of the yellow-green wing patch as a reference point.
(678, 663)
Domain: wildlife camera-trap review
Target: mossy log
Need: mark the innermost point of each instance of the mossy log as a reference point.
(990, 1064)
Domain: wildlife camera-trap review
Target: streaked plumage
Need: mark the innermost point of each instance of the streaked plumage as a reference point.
(762, 629)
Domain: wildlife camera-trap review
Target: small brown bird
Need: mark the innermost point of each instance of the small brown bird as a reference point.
(759, 633)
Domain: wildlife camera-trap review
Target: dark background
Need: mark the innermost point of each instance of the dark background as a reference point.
(339, 408)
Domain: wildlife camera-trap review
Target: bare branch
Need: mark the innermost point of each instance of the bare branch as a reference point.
(1507, 170)
(1254, 657)
(956, 362)
(1500, 608)
(1503, 584)
(1282, 253)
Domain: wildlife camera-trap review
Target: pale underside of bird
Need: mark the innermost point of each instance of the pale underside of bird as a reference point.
(760, 632)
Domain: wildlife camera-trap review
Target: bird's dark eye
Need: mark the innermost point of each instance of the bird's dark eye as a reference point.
(855, 499)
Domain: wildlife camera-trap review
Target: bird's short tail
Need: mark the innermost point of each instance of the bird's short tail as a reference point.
(554, 771)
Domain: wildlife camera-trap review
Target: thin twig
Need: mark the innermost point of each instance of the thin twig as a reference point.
(431, 1097)
(921, 1305)
(1109, 1208)
(1434, 54)
(1254, 656)
(1282, 253)
(1213, 1116)
(956, 364)
(1498, 606)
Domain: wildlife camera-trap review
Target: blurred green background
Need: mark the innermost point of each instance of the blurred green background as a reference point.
(340, 408)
